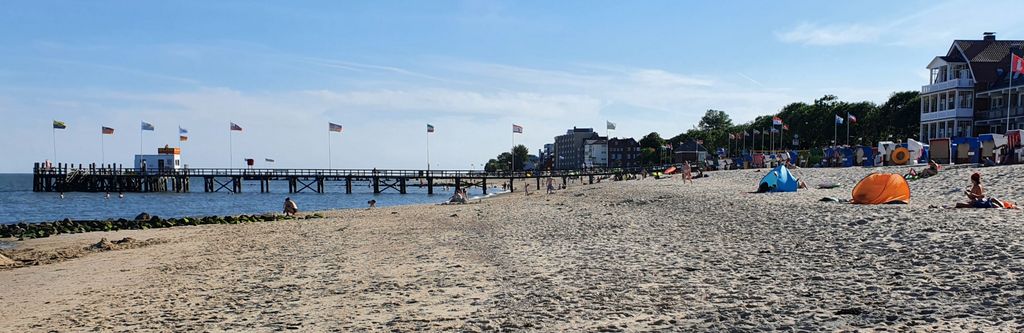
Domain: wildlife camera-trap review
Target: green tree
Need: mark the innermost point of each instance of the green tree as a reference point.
(503, 160)
(715, 121)
(652, 140)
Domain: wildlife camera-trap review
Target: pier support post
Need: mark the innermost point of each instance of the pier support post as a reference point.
(348, 184)
(376, 184)
(401, 185)
(430, 185)
(483, 185)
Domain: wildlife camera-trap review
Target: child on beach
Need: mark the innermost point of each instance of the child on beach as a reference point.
(976, 195)
(687, 173)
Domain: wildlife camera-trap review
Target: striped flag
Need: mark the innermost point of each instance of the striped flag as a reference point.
(332, 127)
(147, 126)
(182, 138)
(776, 121)
(785, 127)
(853, 119)
(235, 127)
(57, 124)
(517, 129)
(430, 128)
(107, 130)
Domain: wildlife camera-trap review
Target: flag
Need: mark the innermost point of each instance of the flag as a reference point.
(764, 132)
(57, 124)
(1018, 64)
(731, 137)
(700, 142)
(332, 127)
(839, 120)
(517, 129)
(430, 128)
(757, 132)
(182, 130)
(776, 121)
(745, 133)
(147, 126)
(107, 130)
(853, 119)
(182, 138)
(785, 127)
(268, 160)
(611, 125)
(235, 127)
(775, 130)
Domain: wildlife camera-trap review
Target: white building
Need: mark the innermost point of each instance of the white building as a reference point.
(595, 153)
(166, 158)
(967, 90)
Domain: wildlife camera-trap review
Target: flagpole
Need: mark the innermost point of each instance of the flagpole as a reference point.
(330, 159)
(1009, 93)
(428, 150)
(103, 151)
(141, 133)
(54, 129)
(835, 133)
(512, 168)
(847, 128)
(231, 149)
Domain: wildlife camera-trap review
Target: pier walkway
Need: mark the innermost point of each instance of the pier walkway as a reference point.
(113, 178)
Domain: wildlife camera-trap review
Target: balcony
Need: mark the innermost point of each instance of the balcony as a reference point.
(948, 114)
(999, 113)
(946, 85)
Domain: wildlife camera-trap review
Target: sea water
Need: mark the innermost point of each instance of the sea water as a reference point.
(19, 204)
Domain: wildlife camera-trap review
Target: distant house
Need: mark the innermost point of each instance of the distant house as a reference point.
(568, 152)
(623, 153)
(595, 152)
(690, 151)
(968, 90)
(166, 159)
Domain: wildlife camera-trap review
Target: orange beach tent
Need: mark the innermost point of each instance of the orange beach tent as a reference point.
(881, 188)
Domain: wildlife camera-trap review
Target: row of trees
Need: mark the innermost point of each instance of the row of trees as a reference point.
(895, 120)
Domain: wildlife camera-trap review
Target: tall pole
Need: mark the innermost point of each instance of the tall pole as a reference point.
(1009, 93)
(141, 133)
(512, 168)
(103, 151)
(54, 144)
(330, 159)
(428, 151)
(835, 131)
(847, 128)
(231, 150)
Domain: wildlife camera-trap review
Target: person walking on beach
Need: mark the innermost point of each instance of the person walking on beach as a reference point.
(687, 173)
(551, 186)
(976, 195)
(290, 208)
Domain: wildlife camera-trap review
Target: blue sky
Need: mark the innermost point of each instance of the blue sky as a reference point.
(383, 69)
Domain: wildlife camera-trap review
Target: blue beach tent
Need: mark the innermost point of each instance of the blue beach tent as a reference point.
(778, 180)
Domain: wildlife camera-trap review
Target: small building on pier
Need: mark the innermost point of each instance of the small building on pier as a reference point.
(166, 158)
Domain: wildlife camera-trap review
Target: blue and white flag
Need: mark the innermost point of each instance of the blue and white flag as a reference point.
(839, 120)
(147, 126)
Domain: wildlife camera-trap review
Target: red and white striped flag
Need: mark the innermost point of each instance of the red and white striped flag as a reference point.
(517, 129)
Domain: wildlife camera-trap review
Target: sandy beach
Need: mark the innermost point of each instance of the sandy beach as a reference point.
(646, 255)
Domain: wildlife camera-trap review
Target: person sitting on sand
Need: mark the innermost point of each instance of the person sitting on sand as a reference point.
(458, 197)
(290, 208)
(931, 170)
(976, 195)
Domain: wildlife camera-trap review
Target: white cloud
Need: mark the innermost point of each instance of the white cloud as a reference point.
(940, 23)
(813, 34)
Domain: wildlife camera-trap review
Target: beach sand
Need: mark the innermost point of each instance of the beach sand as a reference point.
(615, 256)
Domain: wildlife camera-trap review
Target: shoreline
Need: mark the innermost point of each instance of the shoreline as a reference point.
(616, 256)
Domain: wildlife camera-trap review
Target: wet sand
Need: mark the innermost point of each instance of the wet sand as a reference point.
(615, 256)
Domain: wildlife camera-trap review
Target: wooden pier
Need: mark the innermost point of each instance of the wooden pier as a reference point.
(114, 178)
